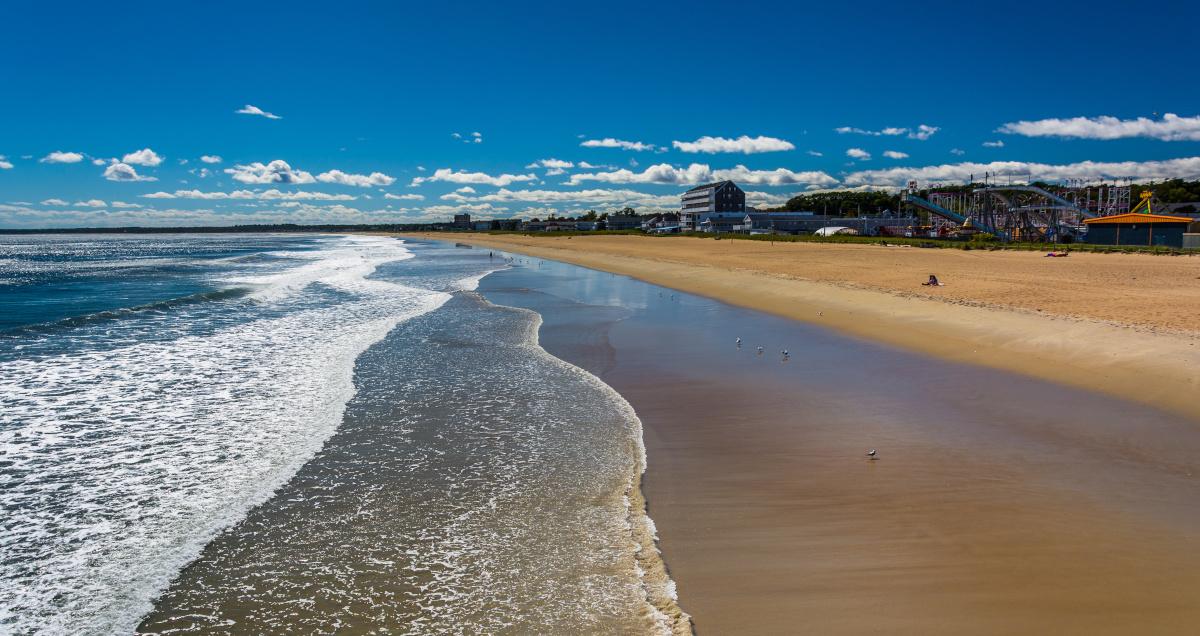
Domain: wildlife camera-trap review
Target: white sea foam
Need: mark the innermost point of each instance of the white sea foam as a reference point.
(124, 462)
(653, 589)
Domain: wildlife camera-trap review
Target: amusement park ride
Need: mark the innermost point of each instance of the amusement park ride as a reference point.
(1024, 212)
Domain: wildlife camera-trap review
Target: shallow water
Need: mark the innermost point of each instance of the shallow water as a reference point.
(206, 402)
(1000, 503)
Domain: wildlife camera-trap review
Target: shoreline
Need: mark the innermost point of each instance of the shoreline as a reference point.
(1001, 504)
(654, 575)
(1158, 367)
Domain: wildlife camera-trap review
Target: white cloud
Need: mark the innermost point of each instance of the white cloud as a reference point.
(661, 173)
(466, 190)
(404, 197)
(699, 173)
(616, 197)
(54, 202)
(255, 110)
(102, 162)
(92, 203)
(958, 152)
(5, 164)
(893, 154)
(478, 178)
(1171, 127)
(144, 157)
(993, 144)
(609, 142)
(277, 171)
(776, 177)
(305, 213)
(1020, 171)
(814, 153)
(250, 195)
(553, 164)
(211, 158)
(766, 199)
(118, 171)
(124, 206)
(921, 132)
(58, 156)
(358, 180)
(861, 188)
(858, 153)
(744, 144)
(482, 209)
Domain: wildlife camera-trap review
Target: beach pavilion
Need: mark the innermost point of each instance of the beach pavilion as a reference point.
(1138, 229)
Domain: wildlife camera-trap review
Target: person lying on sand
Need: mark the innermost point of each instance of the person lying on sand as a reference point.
(933, 281)
(1056, 254)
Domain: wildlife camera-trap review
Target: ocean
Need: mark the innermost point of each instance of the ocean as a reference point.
(307, 433)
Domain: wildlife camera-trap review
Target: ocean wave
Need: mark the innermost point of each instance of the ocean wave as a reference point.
(118, 465)
(74, 322)
(650, 569)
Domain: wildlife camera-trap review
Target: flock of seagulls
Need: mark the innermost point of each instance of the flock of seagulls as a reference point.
(872, 454)
(759, 349)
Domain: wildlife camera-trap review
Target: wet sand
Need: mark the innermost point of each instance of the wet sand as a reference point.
(1122, 324)
(1000, 504)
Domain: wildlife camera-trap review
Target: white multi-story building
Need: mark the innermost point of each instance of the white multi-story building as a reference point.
(722, 196)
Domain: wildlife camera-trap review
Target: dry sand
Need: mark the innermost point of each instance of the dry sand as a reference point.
(1001, 504)
(1006, 521)
(1125, 324)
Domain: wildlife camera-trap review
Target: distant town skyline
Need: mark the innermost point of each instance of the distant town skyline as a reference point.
(225, 113)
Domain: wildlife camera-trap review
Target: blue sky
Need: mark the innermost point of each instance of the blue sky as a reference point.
(370, 97)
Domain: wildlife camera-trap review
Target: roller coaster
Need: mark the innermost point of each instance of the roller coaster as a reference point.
(1020, 212)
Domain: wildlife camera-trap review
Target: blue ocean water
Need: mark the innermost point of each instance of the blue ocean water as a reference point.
(154, 388)
(221, 400)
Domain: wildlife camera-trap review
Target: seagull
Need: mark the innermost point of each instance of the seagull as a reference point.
(739, 342)
(760, 350)
(785, 353)
(872, 454)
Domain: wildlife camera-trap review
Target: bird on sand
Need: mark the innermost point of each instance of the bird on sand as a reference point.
(872, 454)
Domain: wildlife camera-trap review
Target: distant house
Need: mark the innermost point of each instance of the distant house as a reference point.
(506, 224)
(623, 222)
(462, 221)
(710, 198)
(719, 221)
(586, 226)
(777, 222)
(1138, 229)
(658, 221)
(482, 226)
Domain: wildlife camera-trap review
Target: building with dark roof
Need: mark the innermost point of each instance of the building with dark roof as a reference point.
(778, 222)
(1138, 229)
(722, 196)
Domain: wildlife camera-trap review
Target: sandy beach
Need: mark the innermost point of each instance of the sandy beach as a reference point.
(1003, 504)
(1123, 324)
